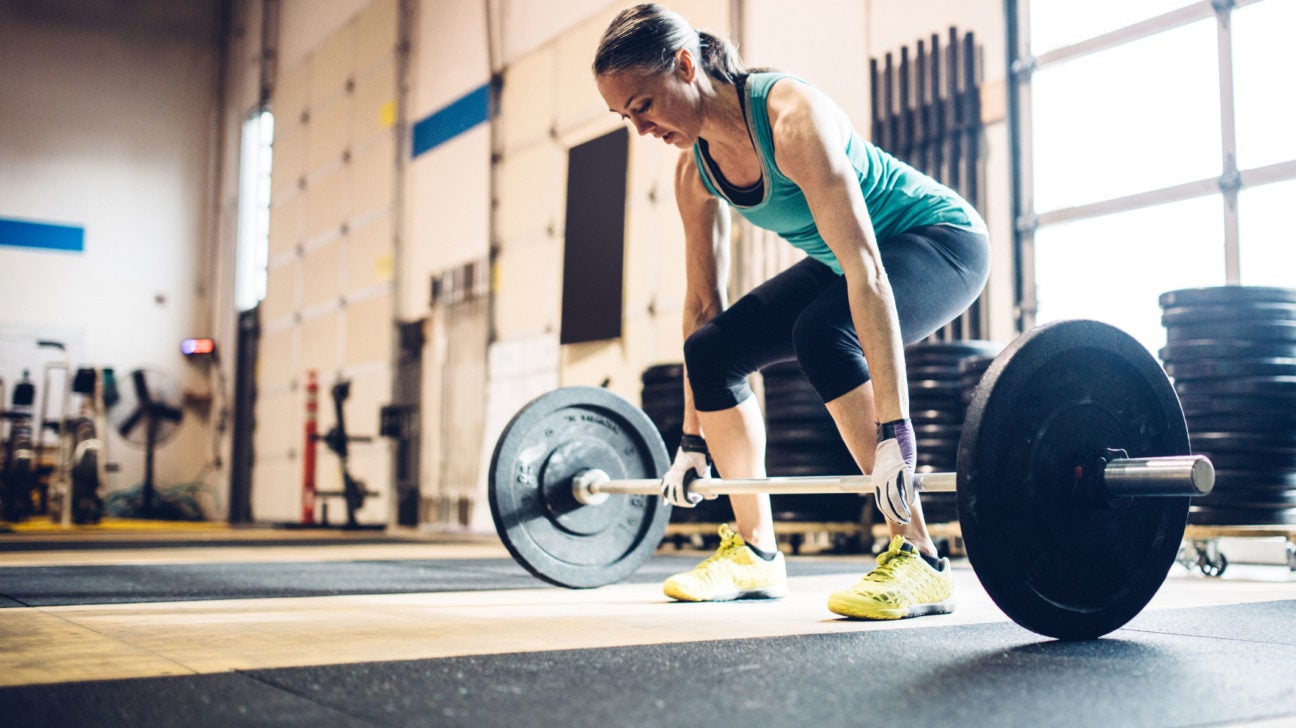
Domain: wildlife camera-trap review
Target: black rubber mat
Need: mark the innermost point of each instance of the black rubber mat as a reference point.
(48, 586)
(1193, 667)
(230, 699)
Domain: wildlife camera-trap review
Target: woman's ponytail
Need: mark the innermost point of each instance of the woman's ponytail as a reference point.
(720, 59)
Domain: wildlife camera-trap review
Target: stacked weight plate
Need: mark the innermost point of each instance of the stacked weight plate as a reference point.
(936, 407)
(802, 440)
(1232, 353)
(663, 402)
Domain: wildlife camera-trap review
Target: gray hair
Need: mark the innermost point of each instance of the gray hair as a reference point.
(646, 37)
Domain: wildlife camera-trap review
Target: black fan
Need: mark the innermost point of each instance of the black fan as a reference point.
(145, 414)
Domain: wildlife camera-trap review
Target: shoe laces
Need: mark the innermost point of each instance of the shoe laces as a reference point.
(729, 542)
(891, 561)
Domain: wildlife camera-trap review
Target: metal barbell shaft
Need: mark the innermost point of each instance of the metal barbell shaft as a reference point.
(927, 482)
(1180, 475)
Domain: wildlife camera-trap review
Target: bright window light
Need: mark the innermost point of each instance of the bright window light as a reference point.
(1267, 238)
(1113, 268)
(254, 210)
(1058, 23)
(1138, 117)
(1264, 62)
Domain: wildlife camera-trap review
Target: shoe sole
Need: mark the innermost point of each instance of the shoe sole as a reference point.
(770, 593)
(854, 611)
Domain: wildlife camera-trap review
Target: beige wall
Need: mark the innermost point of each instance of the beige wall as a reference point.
(448, 210)
(305, 25)
(824, 42)
(330, 303)
(447, 226)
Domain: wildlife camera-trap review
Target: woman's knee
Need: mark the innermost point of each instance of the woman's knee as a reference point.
(714, 377)
(830, 356)
(703, 352)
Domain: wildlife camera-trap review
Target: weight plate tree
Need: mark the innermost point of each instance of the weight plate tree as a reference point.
(934, 371)
(1231, 353)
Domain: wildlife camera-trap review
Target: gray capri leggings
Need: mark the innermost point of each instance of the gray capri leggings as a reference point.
(936, 272)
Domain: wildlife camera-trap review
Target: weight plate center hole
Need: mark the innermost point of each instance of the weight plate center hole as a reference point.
(1066, 443)
(566, 462)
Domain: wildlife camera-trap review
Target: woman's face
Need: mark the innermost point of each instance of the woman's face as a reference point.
(662, 104)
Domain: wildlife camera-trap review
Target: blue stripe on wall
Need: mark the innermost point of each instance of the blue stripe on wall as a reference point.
(460, 116)
(27, 234)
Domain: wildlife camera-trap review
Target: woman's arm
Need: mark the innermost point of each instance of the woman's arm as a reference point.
(706, 254)
(810, 137)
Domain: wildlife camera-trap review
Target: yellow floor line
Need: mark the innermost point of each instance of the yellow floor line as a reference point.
(252, 554)
(72, 643)
(42, 529)
(43, 525)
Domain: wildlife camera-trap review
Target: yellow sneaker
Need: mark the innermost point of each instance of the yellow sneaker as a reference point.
(902, 585)
(733, 572)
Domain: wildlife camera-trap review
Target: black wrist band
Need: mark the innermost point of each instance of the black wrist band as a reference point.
(693, 443)
(887, 430)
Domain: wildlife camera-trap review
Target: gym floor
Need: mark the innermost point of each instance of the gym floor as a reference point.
(211, 626)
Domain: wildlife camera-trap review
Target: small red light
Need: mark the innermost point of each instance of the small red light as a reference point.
(198, 347)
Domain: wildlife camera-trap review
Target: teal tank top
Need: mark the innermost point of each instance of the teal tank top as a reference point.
(898, 197)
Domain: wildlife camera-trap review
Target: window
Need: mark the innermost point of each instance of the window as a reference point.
(1112, 268)
(1263, 60)
(1059, 23)
(253, 210)
(1156, 153)
(1137, 117)
(1267, 235)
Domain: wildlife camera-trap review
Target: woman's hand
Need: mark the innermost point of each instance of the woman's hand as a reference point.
(893, 467)
(692, 461)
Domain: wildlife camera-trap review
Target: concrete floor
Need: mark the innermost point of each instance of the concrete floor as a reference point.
(257, 627)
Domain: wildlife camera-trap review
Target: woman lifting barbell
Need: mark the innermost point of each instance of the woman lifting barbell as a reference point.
(892, 255)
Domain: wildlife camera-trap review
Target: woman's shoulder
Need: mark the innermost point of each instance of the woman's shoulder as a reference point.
(792, 102)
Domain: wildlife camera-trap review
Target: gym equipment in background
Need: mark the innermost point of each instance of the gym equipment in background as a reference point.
(146, 413)
(18, 473)
(337, 440)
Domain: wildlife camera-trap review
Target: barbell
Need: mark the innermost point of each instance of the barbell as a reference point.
(1073, 482)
